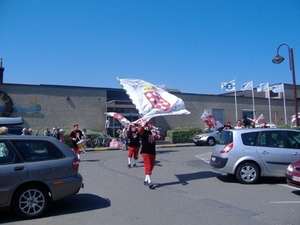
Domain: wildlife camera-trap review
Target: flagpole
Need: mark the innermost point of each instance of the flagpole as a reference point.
(236, 116)
(285, 120)
(254, 116)
(269, 105)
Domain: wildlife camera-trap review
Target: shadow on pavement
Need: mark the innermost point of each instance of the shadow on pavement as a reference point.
(263, 180)
(184, 178)
(296, 192)
(69, 205)
(165, 151)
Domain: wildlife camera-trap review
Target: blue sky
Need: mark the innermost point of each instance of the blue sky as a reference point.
(190, 45)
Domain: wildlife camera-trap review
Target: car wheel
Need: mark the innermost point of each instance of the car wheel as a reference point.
(247, 173)
(30, 201)
(211, 141)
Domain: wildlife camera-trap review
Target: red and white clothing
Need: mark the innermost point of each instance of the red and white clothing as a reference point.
(148, 150)
(75, 136)
(133, 145)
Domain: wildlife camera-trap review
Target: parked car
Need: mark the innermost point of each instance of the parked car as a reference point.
(209, 138)
(253, 153)
(293, 174)
(16, 130)
(35, 170)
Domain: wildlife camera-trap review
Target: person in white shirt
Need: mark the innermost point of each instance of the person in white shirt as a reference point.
(107, 126)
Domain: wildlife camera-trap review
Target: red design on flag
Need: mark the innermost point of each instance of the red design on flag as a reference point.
(157, 101)
(210, 121)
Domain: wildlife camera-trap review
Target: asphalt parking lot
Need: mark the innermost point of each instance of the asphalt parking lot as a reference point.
(188, 191)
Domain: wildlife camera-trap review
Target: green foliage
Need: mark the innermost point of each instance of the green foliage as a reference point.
(183, 134)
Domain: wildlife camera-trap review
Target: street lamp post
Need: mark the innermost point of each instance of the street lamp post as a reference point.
(278, 59)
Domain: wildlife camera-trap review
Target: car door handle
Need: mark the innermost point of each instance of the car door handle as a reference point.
(18, 168)
(296, 153)
(264, 152)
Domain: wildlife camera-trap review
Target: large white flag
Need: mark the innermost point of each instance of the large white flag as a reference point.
(247, 86)
(278, 88)
(152, 101)
(228, 86)
(263, 87)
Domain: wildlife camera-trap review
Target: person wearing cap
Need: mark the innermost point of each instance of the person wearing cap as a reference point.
(149, 135)
(75, 136)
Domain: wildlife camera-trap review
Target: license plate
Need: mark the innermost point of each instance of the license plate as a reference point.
(296, 178)
(213, 158)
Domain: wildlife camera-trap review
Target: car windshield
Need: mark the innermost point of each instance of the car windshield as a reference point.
(214, 131)
(226, 137)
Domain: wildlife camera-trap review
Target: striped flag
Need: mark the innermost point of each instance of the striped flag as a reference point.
(247, 86)
(278, 88)
(228, 86)
(263, 87)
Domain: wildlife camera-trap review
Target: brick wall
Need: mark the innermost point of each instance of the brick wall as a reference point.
(44, 106)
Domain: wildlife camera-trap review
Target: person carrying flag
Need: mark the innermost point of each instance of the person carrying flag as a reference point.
(149, 135)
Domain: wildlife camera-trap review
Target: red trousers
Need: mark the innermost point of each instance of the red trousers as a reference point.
(133, 151)
(149, 161)
(76, 150)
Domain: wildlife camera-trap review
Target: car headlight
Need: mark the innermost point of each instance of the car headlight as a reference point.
(290, 168)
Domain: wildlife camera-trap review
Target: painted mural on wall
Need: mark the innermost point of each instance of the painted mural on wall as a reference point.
(7, 107)
(6, 104)
(33, 107)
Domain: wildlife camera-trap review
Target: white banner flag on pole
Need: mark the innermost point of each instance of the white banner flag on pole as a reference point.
(152, 101)
(247, 86)
(278, 88)
(263, 87)
(228, 86)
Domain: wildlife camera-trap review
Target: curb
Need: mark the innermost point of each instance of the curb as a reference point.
(157, 146)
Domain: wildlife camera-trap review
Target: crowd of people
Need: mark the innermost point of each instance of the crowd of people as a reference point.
(240, 124)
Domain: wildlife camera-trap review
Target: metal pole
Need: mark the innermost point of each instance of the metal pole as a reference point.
(284, 106)
(236, 116)
(254, 113)
(292, 67)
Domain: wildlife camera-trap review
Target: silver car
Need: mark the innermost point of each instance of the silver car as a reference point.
(209, 139)
(35, 170)
(252, 153)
